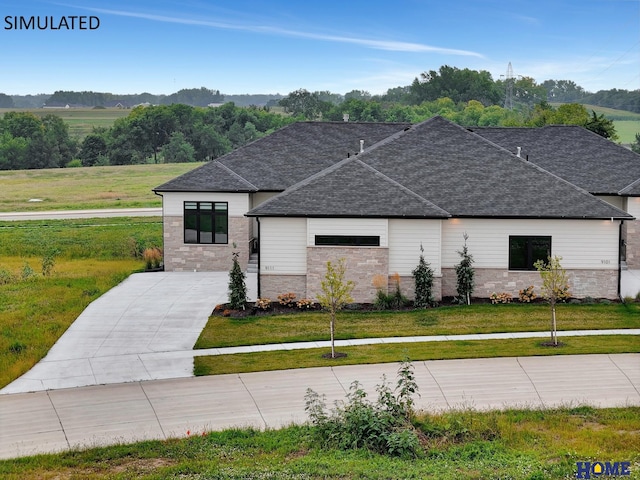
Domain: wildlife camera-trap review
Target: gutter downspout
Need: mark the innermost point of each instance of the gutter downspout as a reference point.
(259, 289)
(163, 249)
(620, 260)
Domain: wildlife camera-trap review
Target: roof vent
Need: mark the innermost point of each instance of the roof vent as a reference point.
(345, 117)
(518, 151)
(361, 146)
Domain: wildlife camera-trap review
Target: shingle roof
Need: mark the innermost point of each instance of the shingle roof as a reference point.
(201, 179)
(573, 153)
(285, 157)
(447, 168)
(353, 189)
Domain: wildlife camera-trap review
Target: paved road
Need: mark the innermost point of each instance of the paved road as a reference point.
(66, 214)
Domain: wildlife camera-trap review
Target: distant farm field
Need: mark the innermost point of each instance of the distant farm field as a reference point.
(627, 123)
(127, 186)
(81, 121)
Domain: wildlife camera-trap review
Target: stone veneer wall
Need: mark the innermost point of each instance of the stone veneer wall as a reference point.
(202, 257)
(273, 285)
(633, 243)
(582, 283)
(408, 287)
(362, 264)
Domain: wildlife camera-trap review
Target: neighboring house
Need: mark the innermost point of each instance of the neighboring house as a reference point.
(604, 169)
(375, 193)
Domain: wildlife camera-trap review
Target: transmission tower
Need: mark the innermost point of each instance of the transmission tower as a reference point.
(508, 98)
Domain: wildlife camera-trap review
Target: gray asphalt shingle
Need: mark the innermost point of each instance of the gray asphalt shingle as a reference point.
(446, 166)
(574, 153)
(286, 157)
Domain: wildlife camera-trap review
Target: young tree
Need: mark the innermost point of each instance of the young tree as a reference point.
(336, 293)
(237, 286)
(555, 286)
(464, 273)
(423, 277)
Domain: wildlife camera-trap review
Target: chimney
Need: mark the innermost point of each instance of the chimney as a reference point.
(361, 146)
(345, 117)
(518, 151)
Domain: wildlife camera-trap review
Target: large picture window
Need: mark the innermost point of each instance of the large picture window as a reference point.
(348, 240)
(524, 251)
(206, 222)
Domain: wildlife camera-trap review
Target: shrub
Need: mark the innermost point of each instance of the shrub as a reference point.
(383, 301)
(465, 282)
(17, 347)
(6, 277)
(287, 299)
(382, 427)
(152, 257)
(27, 272)
(503, 297)
(423, 278)
(527, 295)
(237, 286)
(75, 163)
(398, 300)
(49, 261)
(263, 303)
(305, 304)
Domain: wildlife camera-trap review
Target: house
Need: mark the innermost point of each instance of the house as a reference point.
(375, 194)
(604, 169)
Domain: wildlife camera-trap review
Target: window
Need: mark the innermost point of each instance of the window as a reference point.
(348, 240)
(525, 251)
(206, 222)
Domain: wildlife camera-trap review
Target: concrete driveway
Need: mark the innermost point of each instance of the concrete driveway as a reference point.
(143, 329)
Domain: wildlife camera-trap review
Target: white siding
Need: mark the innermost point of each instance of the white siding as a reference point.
(347, 226)
(283, 246)
(256, 199)
(616, 201)
(173, 202)
(591, 244)
(405, 238)
(633, 207)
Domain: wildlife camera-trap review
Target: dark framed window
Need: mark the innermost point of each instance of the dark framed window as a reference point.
(206, 222)
(348, 240)
(524, 251)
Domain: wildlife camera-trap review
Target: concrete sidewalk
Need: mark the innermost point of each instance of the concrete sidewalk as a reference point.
(145, 329)
(101, 415)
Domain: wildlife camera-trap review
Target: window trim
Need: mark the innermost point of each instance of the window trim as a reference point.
(347, 240)
(529, 257)
(216, 216)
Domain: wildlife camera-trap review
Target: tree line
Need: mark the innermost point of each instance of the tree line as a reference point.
(178, 132)
(163, 133)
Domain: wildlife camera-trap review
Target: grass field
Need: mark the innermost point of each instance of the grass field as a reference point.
(124, 186)
(90, 258)
(627, 123)
(81, 121)
(456, 445)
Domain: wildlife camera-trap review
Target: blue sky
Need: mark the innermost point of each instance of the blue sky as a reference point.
(277, 46)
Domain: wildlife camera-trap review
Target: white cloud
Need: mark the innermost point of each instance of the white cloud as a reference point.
(388, 45)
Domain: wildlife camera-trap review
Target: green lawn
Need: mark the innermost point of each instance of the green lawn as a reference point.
(92, 257)
(123, 186)
(487, 318)
(457, 445)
